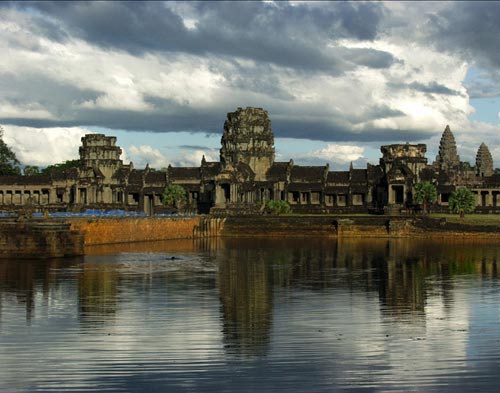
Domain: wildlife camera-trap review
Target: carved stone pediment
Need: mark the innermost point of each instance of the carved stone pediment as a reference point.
(399, 173)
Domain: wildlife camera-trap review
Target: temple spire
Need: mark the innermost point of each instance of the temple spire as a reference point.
(447, 157)
(484, 161)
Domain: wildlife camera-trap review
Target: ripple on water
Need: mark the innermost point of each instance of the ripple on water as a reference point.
(255, 316)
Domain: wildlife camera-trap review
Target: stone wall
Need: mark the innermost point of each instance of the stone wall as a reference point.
(351, 226)
(287, 226)
(279, 226)
(104, 230)
(39, 240)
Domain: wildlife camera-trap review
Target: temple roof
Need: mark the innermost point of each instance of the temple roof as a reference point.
(338, 177)
(358, 175)
(307, 173)
(374, 172)
(25, 180)
(136, 176)
(305, 186)
(122, 173)
(211, 169)
(156, 177)
(278, 171)
(184, 173)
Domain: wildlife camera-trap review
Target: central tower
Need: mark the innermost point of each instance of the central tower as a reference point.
(248, 138)
(447, 157)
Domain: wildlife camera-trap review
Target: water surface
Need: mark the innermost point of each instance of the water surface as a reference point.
(254, 315)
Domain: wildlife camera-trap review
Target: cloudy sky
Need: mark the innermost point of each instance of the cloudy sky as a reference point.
(338, 79)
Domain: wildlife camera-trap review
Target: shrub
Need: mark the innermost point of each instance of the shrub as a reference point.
(425, 193)
(278, 207)
(174, 196)
(462, 201)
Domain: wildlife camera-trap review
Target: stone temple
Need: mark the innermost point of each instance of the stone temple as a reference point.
(247, 175)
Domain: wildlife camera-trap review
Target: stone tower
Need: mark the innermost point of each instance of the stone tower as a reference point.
(447, 157)
(99, 152)
(248, 138)
(484, 161)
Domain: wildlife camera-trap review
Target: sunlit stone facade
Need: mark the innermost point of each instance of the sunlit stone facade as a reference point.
(247, 175)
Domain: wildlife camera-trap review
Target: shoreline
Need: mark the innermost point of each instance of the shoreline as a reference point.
(55, 238)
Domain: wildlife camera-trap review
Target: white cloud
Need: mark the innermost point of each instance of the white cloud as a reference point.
(194, 157)
(339, 153)
(44, 146)
(31, 110)
(144, 154)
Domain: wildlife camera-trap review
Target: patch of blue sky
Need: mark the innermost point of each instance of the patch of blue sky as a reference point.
(484, 96)
(486, 109)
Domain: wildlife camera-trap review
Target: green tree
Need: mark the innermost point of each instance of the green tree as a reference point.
(9, 164)
(31, 170)
(462, 201)
(174, 196)
(465, 166)
(278, 207)
(61, 166)
(425, 193)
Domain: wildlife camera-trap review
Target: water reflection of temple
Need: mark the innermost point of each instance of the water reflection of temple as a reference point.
(396, 271)
(26, 280)
(97, 294)
(251, 277)
(245, 288)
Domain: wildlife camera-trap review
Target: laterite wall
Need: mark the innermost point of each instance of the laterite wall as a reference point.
(104, 230)
(28, 240)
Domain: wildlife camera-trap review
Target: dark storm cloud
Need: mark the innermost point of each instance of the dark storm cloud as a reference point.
(433, 88)
(212, 121)
(339, 131)
(367, 57)
(52, 94)
(265, 54)
(429, 88)
(374, 112)
(485, 85)
(292, 36)
(470, 28)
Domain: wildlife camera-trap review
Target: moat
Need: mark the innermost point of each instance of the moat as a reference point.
(250, 315)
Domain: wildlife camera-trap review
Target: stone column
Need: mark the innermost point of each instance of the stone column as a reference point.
(478, 198)
(369, 197)
(233, 193)
(391, 195)
(219, 196)
(489, 199)
(52, 195)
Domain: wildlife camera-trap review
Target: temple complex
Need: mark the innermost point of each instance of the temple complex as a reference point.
(247, 175)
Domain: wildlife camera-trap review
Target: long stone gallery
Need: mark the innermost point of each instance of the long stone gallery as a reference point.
(247, 175)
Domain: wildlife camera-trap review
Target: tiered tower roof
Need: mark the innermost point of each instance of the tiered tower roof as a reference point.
(447, 157)
(248, 138)
(484, 161)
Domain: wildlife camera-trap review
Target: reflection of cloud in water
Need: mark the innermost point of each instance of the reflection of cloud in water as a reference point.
(345, 335)
(313, 316)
